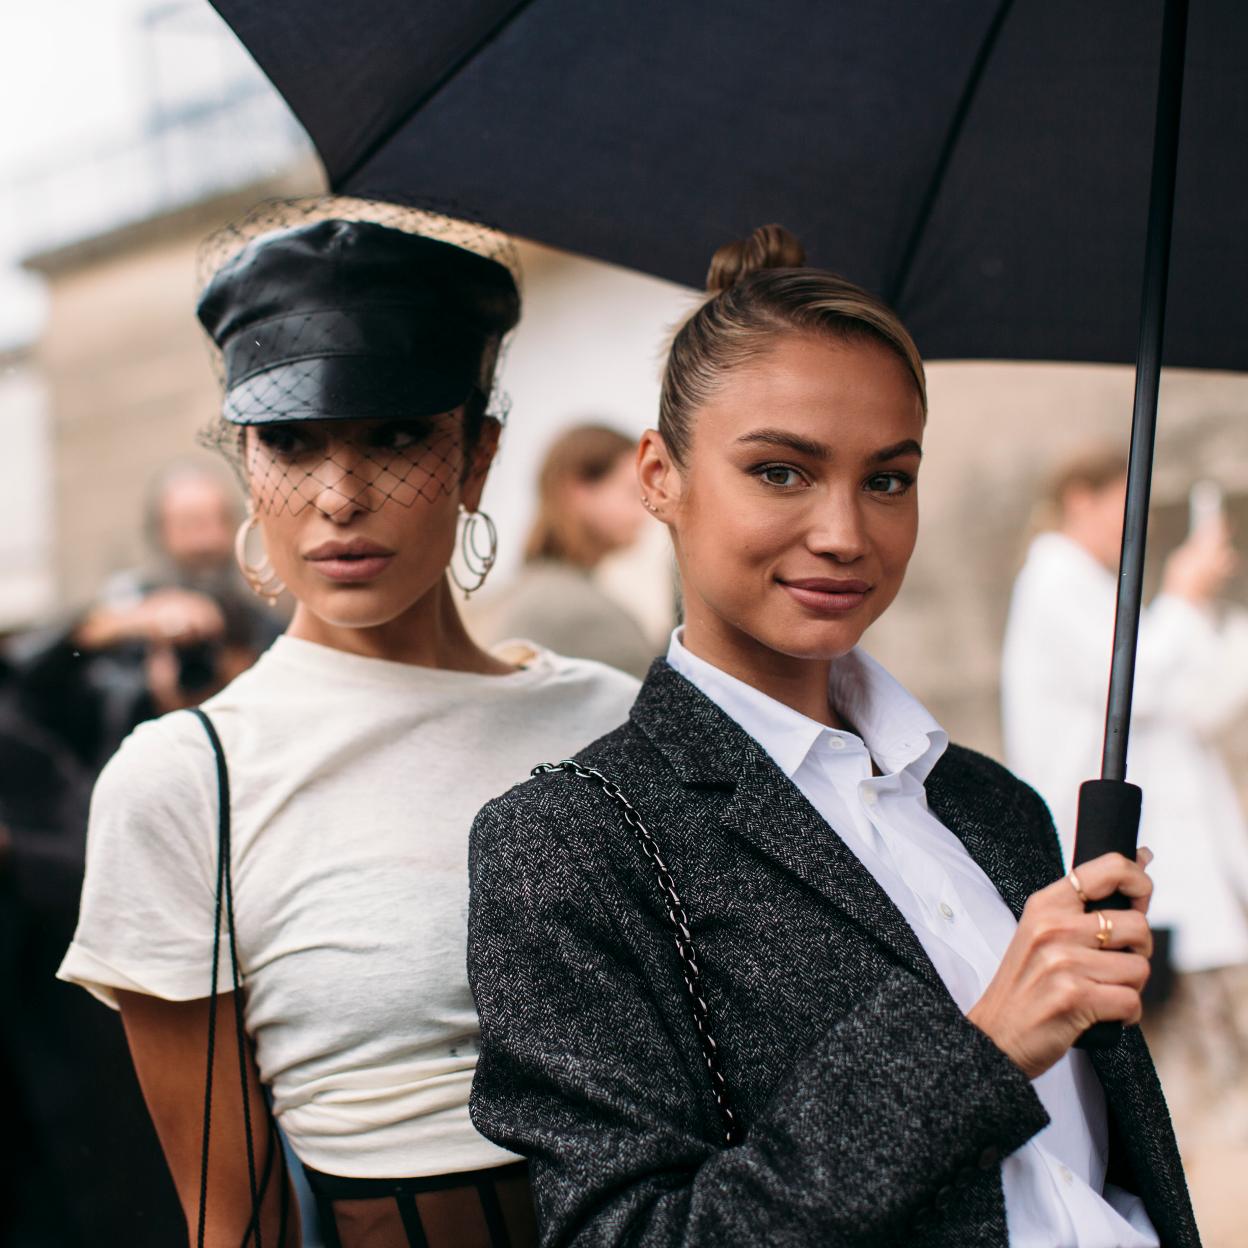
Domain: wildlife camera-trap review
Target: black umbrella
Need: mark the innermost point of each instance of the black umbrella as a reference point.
(984, 164)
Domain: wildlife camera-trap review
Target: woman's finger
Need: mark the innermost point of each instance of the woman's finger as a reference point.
(1112, 873)
(1114, 1003)
(1116, 967)
(1116, 929)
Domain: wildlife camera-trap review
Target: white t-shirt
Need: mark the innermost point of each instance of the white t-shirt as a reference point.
(354, 782)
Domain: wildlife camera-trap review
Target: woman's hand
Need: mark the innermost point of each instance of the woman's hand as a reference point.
(1057, 978)
(1200, 568)
(163, 617)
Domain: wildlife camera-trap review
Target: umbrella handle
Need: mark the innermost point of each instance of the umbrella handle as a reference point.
(1109, 822)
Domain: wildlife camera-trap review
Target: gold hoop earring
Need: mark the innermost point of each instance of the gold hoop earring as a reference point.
(260, 577)
(477, 562)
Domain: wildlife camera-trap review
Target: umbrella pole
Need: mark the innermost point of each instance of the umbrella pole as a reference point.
(1109, 808)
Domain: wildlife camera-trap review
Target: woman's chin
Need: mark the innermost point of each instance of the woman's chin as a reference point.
(817, 640)
(357, 608)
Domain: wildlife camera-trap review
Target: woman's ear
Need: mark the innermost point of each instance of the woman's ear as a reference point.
(658, 477)
(480, 457)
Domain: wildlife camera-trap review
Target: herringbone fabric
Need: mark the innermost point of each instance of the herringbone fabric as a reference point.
(874, 1113)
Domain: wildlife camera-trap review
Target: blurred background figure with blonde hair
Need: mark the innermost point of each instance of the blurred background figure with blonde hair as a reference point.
(589, 508)
(1191, 682)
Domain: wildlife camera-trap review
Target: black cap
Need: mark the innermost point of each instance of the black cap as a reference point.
(353, 320)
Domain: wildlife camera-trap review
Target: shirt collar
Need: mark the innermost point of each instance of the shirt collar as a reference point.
(900, 733)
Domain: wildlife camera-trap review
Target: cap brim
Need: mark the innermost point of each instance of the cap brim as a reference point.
(352, 387)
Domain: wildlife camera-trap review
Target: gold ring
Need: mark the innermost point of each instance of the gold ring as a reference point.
(1073, 880)
(1106, 931)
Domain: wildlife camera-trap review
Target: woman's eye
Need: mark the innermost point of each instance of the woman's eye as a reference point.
(781, 476)
(890, 483)
(283, 440)
(399, 436)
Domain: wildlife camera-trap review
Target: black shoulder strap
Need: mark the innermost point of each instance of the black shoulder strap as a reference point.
(678, 924)
(224, 904)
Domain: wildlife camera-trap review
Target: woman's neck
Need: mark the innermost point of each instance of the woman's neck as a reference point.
(799, 683)
(430, 633)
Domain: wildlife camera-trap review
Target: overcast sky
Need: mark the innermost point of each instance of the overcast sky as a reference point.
(73, 80)
(66, 77)
(66, 83)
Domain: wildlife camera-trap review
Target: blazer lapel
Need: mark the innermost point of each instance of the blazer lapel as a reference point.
(707, 748)
(1000, 839)
(771, 813)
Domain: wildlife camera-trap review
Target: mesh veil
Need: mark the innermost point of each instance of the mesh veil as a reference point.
(373, 457)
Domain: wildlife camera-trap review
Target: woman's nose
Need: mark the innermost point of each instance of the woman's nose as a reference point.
(342, 484)
(838, 530)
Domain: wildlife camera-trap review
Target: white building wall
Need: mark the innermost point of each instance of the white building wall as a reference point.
(26, 511)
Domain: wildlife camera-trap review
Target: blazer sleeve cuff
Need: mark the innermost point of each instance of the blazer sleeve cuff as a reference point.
(917, 1095)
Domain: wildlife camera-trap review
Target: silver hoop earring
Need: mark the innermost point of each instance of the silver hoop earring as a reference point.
(260, 577)
(477, 562)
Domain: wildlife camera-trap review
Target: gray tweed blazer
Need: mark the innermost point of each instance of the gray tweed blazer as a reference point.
(874, 1113)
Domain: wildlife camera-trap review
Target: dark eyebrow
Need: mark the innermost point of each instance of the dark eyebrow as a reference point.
(781, 437)
(908, 447)
(820, 450)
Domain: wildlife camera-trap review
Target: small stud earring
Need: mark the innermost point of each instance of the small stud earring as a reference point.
(649, 506)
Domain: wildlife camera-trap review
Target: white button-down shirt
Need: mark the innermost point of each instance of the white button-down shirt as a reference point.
(1055, 1191)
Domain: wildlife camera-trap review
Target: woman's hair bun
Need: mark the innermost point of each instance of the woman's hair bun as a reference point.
(769, 247)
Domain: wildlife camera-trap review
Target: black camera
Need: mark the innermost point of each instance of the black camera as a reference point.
(198, 666)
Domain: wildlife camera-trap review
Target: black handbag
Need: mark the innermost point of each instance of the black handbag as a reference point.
(224, 907)
(678, 925)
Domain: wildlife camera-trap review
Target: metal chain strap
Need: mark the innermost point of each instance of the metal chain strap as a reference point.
(678, 920)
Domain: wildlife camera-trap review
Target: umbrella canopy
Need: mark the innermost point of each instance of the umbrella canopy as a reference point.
(983, 164)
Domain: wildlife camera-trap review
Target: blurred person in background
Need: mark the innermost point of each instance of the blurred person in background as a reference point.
(157, 637)
(191, 517)
(1191, 681)
(588, 508)
(91, 1170)
(191, 514)
(84, 1163)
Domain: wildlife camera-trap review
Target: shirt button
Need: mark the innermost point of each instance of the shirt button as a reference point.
(946, 909)
(871, 797)
(836, 743)
(1067, 1177)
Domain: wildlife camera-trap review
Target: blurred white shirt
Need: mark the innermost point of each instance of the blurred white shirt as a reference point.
(1053, 1183)
(1191, 677)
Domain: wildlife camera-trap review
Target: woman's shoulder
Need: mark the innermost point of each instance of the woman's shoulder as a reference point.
(965, 769)
(1055, 562)
(158, 752)
(584, 682)
(971, 780)
(538, 591)
(162, 779)
(560, 799)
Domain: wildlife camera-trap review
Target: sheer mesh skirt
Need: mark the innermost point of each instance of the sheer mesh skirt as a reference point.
(476, 1209)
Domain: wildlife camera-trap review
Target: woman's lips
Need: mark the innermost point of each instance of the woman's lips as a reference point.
(827, 596)
(355, 560)
(353, 569)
